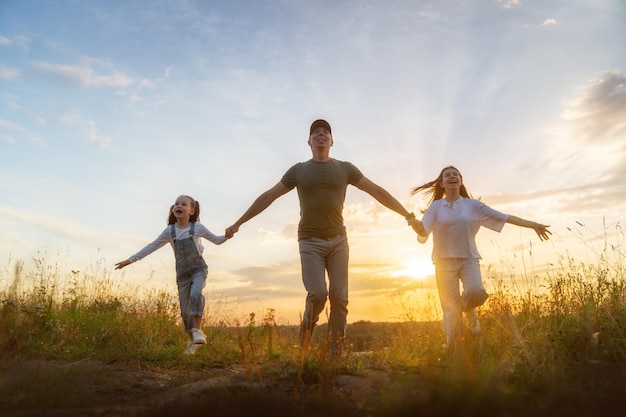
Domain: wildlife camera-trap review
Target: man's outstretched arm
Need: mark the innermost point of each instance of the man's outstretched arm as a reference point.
(383, 197)
(261, 203)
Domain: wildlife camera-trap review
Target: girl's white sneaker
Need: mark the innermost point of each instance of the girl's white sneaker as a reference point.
(191, 348)
(197, 336)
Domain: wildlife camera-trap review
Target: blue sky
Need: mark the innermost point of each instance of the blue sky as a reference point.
(110, 110)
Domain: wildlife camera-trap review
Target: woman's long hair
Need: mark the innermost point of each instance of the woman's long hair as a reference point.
(195, 217)
(435, 187)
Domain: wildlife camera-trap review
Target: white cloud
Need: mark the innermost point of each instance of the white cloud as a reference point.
(145, 84)
(14, 127)
(597, 113)
(7, 139)
(19, 41)
(10, 73)
(592, 126)
(365, 217)
(87, 74)
(134, 95)
(57, 227)
(286, 234)
(70, 118)
(93, 136)
(549, 22)
(88, 127)
(508, 4)
(588, 146)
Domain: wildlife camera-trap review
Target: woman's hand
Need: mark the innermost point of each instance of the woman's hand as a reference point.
(542, 231)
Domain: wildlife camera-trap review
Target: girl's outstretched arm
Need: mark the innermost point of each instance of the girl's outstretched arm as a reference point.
(159, 242)
(541, 229)
(261, 203)
(203, 231)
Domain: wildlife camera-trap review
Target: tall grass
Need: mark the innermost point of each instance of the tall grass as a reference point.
(567, 329)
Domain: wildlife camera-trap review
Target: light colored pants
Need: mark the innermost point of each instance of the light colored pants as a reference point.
(318, 257)
(449, 272)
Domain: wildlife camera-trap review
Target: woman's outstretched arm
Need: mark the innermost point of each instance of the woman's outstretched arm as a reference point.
(541, 229)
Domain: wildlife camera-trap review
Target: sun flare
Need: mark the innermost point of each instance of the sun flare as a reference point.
(417, 269)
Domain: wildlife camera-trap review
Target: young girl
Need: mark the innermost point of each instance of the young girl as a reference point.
(454, 219)
(183, 233)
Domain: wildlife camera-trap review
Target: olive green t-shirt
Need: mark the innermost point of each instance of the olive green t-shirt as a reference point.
(321, 191)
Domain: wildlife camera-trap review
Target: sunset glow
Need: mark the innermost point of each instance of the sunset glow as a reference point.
(418, 269)
(110, 110)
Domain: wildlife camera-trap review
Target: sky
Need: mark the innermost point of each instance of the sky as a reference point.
(110, 110)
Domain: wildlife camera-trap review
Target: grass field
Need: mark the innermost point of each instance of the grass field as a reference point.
(71, 342)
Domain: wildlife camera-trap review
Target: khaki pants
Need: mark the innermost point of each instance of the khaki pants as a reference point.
(318, 258)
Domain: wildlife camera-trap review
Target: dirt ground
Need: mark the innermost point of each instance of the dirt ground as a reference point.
(91, 388)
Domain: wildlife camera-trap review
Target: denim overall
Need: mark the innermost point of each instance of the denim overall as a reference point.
(191, 274)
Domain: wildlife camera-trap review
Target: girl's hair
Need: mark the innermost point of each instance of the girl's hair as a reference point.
(435, 187)
(195, 217)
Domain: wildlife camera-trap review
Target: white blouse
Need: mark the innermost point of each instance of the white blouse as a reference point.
(454, 226)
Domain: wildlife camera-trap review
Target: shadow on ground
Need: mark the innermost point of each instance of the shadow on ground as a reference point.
(91, 388)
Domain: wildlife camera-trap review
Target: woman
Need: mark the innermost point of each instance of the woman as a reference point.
(454, 218)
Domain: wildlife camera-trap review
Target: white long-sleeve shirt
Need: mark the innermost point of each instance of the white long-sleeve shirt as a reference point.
(454, 226)
(200, 231)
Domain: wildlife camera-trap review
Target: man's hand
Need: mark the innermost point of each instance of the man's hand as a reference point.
(122, 264)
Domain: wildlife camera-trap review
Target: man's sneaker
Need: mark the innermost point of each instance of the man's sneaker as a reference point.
(471, 322)
(198, 337)
(191, 348)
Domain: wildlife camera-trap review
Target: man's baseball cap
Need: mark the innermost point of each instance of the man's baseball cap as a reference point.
(319, 122)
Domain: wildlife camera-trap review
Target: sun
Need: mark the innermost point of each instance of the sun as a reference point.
(417, 269)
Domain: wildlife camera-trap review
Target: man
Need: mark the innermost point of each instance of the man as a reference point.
(322, 182)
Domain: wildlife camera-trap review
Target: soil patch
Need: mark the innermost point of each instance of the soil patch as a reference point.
(95, 388)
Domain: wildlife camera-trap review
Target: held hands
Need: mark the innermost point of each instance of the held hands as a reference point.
(230, 231)
(417, 226)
